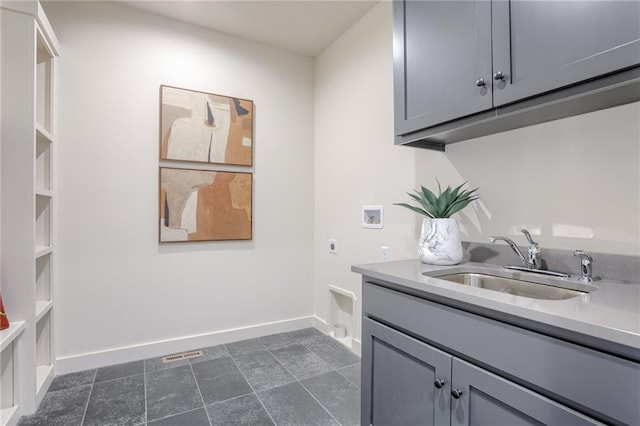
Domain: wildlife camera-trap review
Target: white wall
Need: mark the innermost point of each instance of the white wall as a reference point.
(318, 160)
(581, 171)
(116, 286)
(577, 180)
(356, 163)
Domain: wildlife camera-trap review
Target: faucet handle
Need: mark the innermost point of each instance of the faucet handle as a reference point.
(584, 256)
(585, 265)
(528, 235)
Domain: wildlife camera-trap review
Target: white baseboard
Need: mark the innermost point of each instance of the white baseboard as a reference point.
(322, 325)
(124, 354)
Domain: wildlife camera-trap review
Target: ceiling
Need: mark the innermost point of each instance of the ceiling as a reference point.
(302, 26)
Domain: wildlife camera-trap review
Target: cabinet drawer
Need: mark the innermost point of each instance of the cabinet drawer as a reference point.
(596, 383)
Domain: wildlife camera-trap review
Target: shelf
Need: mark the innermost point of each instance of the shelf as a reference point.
(27, 361)
(43, 278)
(44, 375)
(10, 334)
(7, 416)
(43, 164)
(41, 192)
(43, 251)
(42, 308)
(42, 135)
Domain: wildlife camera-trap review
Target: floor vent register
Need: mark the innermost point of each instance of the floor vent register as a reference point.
(180, 357)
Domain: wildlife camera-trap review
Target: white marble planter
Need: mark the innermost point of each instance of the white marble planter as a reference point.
(440, 242)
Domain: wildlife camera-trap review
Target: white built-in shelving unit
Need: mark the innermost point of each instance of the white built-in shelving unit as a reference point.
(9, 401)
(29, 53)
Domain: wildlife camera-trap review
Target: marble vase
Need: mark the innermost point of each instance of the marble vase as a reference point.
(440, 242)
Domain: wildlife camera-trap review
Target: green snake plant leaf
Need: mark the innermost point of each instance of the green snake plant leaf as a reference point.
(414, 208)
(443, 205)
(426, 205)
(429, 196)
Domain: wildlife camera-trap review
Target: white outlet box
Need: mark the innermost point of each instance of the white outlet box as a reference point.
(333, 246)
(384, 252)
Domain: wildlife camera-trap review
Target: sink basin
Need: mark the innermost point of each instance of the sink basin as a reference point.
(512, 286)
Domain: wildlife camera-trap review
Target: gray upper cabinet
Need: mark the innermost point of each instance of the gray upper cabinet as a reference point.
(469, 68)
(436, 76)
(541, 46)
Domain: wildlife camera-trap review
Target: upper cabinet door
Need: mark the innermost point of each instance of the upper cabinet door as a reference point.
(441, 51)
(541, 46)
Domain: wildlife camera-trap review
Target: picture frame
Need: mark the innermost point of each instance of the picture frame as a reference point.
(372, 217)
(204, 205)
(205, 127)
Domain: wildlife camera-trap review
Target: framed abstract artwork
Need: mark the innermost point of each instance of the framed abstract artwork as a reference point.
(204, 127)
(204, 205)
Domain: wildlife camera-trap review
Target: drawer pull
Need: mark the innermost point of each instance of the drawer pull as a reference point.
(438, 383)
(456, 393)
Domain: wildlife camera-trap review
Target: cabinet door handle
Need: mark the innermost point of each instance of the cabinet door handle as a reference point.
(498, 75)
(438, 383)
(480, 82)
(456, 393)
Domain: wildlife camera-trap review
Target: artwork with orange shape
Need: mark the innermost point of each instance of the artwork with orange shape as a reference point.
(203, 205)
(204, 127)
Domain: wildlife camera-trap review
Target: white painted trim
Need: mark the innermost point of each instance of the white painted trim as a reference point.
(120, 355)
(322, 325)
(356, 347)
(344, 292)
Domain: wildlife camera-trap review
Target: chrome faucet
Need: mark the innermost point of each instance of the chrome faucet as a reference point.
(535, 254)
(585, 265)
(533, 260)
(513, 246)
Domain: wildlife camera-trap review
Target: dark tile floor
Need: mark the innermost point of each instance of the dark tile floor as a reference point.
(297, 378)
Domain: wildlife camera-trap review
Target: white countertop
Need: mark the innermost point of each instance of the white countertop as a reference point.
(610, 313)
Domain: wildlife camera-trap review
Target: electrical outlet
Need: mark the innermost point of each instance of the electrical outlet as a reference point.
(333, 246)
(384, 252)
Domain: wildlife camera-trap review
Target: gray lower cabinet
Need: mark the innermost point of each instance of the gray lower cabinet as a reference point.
(473, 67)
(408, 382)
(428, 363)
(405, 381)
(482, 398)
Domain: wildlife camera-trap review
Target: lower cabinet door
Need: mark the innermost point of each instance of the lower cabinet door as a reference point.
(404, 381)
(482, 398)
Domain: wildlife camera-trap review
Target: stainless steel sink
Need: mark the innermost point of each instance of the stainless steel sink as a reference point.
(512, 286)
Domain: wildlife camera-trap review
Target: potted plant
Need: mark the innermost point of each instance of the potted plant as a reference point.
(440, 242)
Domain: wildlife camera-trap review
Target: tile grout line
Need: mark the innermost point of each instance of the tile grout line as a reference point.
(294, 376)
(337, 370)
(250, 385)
(303, 386)
(204, 406)
(144, 372)
(300, 382)
(86, 407)
(173, 415)
(319, 403)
